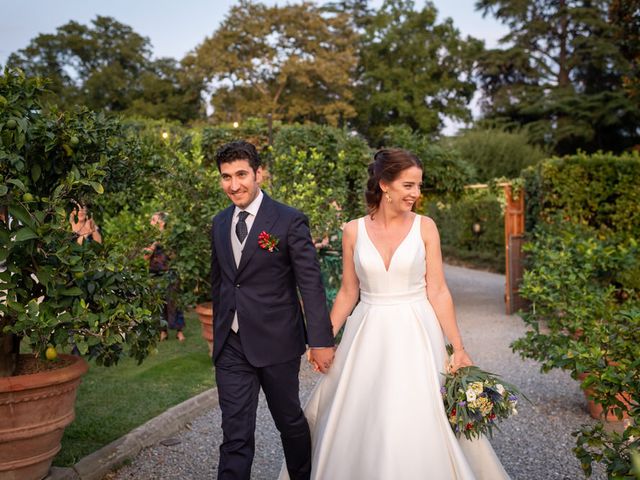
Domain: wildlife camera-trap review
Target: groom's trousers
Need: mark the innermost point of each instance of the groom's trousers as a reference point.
(239, 384)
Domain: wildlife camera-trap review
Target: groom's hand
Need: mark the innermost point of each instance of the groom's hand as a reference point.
(322, 358)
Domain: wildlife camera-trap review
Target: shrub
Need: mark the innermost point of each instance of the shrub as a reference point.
(483, 246)
(582, 319)
(495, 153)
(599, 190)
(338, 150)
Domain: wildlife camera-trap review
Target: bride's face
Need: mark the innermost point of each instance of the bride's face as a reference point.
(404, 190)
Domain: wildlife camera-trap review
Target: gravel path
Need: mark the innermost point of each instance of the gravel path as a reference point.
(534, 445)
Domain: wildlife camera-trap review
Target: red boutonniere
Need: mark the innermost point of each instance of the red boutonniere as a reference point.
(268, 241)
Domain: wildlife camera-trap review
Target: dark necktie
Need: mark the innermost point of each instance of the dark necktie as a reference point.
(241, 226)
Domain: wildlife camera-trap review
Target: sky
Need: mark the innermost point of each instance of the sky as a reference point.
(177, 27)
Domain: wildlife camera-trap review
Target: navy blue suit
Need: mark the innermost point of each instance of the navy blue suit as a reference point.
(272, 334)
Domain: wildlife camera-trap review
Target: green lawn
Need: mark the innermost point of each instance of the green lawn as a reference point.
(112, 401)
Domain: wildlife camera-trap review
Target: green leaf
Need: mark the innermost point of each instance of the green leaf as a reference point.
(72, 292)
(3, 190)
(97, 187)
(36, 171)
(18, 184)
(20, 213)
(25, 234)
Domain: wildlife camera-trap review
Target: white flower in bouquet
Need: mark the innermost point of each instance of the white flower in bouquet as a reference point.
(471, 395)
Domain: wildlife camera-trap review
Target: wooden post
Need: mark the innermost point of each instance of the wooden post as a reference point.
(513, 236)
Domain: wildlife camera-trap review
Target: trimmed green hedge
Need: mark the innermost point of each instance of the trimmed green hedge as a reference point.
(600, 190)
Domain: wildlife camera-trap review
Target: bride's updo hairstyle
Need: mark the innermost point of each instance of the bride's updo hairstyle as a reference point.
(387, 165)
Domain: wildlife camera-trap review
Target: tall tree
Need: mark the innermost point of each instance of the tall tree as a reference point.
(294, 62)
(108, 66)
(413, 70)
(625, 15)
(561, 75)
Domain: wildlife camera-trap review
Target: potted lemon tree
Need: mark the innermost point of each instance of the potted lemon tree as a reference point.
(56, 294)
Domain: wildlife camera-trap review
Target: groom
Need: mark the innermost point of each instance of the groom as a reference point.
(262, 255)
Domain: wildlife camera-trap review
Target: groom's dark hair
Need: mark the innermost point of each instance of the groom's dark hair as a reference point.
(238, 150)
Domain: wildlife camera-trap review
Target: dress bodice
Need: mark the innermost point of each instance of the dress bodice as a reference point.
(405, 277)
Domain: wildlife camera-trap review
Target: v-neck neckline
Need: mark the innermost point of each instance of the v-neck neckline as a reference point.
(404, 239)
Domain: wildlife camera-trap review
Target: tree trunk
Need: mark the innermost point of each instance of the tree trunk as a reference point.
(563, 58)
(9, 343)
(9, 349)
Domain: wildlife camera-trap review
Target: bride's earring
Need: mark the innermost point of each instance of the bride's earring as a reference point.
(387, 196)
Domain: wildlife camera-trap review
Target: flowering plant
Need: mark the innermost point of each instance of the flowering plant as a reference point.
(268, 241)
(475, 399)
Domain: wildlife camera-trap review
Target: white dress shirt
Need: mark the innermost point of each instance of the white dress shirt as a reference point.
(252, 210)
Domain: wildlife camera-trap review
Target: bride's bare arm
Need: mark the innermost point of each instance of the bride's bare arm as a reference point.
(347, 296)
(438, 292)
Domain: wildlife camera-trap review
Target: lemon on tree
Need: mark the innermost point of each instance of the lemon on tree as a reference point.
(51, 353)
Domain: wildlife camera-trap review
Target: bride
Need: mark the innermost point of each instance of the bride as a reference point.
(378, 413)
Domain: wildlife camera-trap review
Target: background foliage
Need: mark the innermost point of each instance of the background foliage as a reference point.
(582, 282)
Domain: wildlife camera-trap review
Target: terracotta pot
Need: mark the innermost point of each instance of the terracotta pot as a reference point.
(596, 410)
(34, 411)
(205, 314)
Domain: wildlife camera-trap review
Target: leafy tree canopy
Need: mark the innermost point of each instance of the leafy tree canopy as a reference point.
(563, 72)
(294, 62)
(413, 71)
(107, 65)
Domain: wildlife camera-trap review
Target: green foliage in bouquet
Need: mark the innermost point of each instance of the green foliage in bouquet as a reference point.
(475, 400)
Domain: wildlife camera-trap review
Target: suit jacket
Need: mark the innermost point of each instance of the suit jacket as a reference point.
(264, 287)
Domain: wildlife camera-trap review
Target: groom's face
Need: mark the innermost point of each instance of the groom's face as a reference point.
(240, 182)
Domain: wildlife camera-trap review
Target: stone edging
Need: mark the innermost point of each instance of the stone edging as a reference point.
(98, 464)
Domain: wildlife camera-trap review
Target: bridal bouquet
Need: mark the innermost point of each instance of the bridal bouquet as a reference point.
(474, 400)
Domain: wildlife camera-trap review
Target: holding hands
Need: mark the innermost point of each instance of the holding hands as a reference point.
(321, 358)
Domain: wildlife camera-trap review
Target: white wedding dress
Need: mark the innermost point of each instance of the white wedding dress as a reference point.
(378, 413)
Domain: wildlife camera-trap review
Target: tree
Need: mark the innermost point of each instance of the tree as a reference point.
(293, 62)
(562, 75)
(55, 291)
(168, 90)
(625, 14)
(108, 66)
(413, 71)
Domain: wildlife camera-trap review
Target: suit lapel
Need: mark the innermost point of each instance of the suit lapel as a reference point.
(225, 238)
(265, 218)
